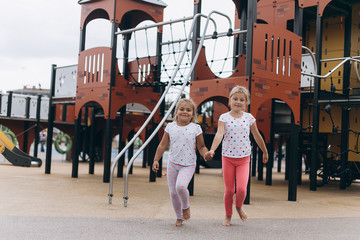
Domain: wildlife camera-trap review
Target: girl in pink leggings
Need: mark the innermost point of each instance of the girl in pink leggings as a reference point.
(183, 135)
(234, 128)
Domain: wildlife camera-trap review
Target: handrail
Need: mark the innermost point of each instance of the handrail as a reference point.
(162, 24)
(312, 55)
(158, 104)
(334, 69)
(222, 34)
(151, 115)
(176, 99)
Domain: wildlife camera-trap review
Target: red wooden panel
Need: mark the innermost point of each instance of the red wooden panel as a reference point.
(309, 3)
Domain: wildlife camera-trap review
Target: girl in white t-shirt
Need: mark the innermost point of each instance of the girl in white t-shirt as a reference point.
(234, 128)
(183, 135)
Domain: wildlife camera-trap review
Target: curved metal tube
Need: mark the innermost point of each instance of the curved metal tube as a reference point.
(356, 70)
(152, 113)
(312, 55)
(333, 70)
(174, 102)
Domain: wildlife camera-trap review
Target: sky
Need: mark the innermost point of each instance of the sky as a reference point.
(38, 33)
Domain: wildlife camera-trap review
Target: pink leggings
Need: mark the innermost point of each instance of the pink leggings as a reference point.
(235, 169)
(178, 180)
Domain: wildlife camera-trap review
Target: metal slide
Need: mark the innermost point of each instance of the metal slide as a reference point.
(15, 155)
(195, 19)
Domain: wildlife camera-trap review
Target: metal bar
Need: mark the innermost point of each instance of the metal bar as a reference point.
(254, 158)
(120, 169)
(270, 163)
(316, 108)
(337, 59)
(251, 19)
(280, 154)
(162, 98)
(64, 113)
(333, 70)
(51, 119)
(76, 147)
(345, 113)
(312, 55)
(294, 151)
(92, 142)
(37, 125)
(151, 114)
(160, 24)
(107, 149)
(222, 34)
(9, 105)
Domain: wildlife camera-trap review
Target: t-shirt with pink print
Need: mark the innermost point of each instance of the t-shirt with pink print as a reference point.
(183, 142)
(236, 141)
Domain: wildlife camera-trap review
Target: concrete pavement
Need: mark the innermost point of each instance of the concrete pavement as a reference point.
(34, 205)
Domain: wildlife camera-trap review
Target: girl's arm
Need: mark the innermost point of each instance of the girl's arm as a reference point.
(218, 138)
(201, 147)
(260, 141)
(160, 151)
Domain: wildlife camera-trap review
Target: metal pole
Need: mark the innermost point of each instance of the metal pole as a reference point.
(121, 142)
(37, 126)
(51, 119)
(92, 142)
(161, 99)
(76, 150)
(270, 163)
(294, 151)
(251, 19)
(316, 106)
(345, 114)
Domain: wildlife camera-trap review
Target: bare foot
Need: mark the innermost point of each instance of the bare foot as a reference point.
(227, 221)
(242, 213)
(186, 214)
(178, 222)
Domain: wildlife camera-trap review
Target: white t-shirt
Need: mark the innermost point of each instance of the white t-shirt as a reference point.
(183, 142)
(236, 142)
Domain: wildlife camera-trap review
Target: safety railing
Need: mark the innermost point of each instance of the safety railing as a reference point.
(195, 19)
(344, 60)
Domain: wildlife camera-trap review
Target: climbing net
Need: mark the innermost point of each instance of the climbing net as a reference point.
(143, 54)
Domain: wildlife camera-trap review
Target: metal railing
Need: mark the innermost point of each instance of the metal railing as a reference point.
(195, 18)
(344, 60)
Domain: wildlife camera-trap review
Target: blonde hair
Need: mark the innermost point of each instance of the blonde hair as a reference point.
(240, 89)
(191, 102)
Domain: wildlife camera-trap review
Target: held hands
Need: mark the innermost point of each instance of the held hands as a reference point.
(209, 155)
(155, 166)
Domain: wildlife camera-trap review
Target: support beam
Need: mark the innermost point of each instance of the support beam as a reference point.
(51, 119)
(345, 114)
(294, 151)
(316, 107)
(37, 126)
(76, 146)
(92, 142)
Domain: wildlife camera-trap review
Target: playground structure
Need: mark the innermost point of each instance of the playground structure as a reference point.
(14, 155)
(294, 56)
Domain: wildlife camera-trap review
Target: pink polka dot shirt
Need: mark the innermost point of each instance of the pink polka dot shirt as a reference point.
(236, 142)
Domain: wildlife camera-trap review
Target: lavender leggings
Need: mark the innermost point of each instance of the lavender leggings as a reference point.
(178, 179)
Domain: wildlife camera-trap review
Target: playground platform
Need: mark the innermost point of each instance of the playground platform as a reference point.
(35, 205)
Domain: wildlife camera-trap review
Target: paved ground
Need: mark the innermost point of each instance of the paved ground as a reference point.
(34, 205)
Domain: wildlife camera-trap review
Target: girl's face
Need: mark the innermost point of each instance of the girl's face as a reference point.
(238, 102)
(184, 113)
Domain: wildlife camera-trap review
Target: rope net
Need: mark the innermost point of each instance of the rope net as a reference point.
(142, 55)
